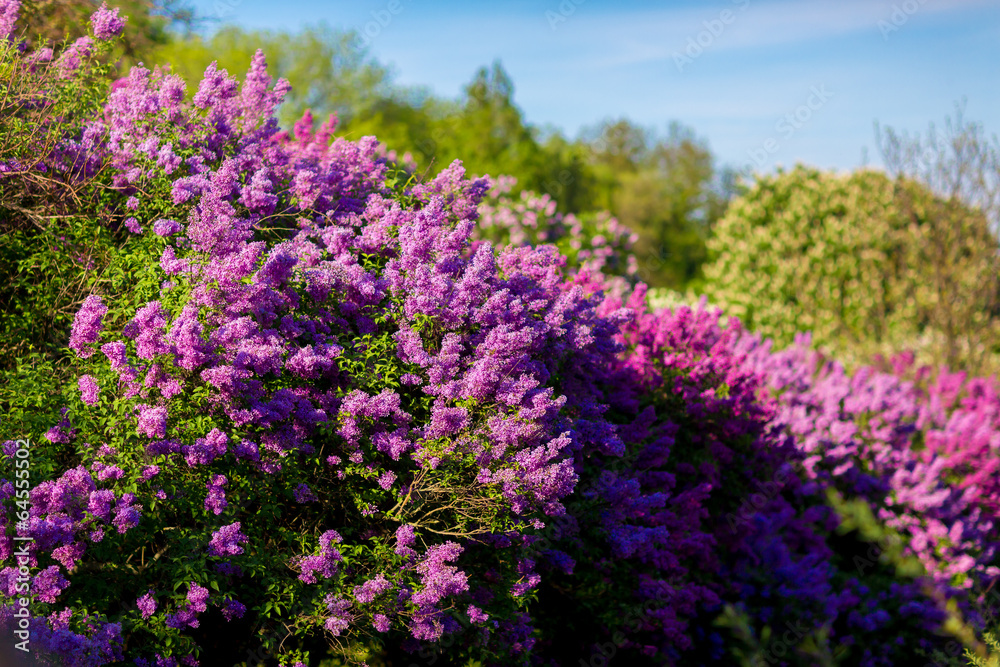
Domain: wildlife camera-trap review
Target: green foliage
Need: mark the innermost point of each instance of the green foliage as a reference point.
(55, 236)
(869, 265)
(664, 188)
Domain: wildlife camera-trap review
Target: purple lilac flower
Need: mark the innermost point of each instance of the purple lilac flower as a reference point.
(477, 615)
(233, 609)
(87, 326)
(166, 227)
(48, 584)
(71, 59)
(227, 540)
(207, 449)
(386, 479)
(127, 513)
(339, 619)
(63, 432)
(372, 588)
(187, 616)
(147, 604)
(303, 494)
(198, 597)
(215, 500)
(88, 389)
(9, 10)
(106, 22)
(325, 562)
(152, 421)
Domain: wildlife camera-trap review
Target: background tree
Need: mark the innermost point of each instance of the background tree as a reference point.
(870, 265)
(961, 162)
(666, 189)
(329, 70)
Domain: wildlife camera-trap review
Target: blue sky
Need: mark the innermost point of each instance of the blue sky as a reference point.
(733, 70)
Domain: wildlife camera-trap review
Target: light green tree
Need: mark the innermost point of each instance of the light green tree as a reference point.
(870, 265)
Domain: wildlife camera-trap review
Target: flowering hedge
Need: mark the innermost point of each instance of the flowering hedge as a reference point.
(320, 413)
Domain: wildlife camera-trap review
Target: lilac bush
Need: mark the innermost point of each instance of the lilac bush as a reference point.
(316, 328)
(428, 420)
(706, 533)
(903, 449)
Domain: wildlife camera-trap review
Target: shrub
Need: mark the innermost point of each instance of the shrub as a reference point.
(332, 421)
(867, 264)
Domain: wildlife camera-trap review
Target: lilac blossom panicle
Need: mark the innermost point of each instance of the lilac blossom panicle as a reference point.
(227, 541)
(106, 23)
(89, 390)
(147, 604)
(9, 10)
(87, 326)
